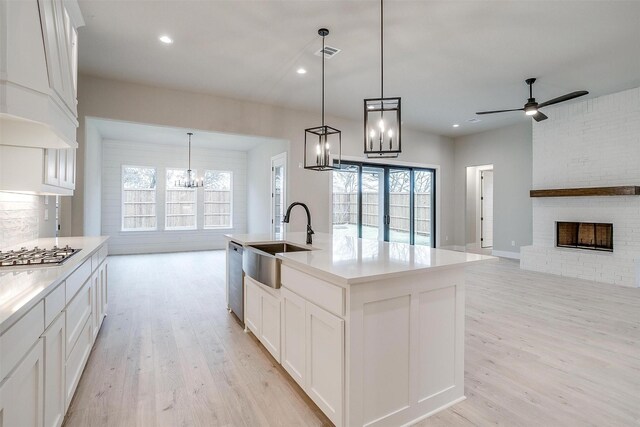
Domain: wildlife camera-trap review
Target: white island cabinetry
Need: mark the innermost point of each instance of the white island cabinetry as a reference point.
(373, 332)
(45, 340)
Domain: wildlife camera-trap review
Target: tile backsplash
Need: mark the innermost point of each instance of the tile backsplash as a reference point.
(19, 215)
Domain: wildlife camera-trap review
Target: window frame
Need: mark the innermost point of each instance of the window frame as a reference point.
(122, 202)
(204, 188)
(387, 168)
(195, 202)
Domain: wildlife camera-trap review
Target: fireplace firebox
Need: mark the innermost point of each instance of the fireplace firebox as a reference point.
(585, 235)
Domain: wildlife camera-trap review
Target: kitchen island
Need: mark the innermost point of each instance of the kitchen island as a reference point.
(372, 331)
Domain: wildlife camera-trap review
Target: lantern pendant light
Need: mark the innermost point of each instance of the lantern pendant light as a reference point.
(190, 180)
(322, 144)
(382, 123)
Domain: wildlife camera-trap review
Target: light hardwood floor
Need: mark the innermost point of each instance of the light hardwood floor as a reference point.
(541, 350)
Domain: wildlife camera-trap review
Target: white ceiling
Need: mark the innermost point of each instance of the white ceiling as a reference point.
(446, 59)
(151, 134)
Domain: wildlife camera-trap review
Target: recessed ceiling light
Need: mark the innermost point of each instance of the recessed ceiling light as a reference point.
(456, 125)
(165, 39)
(301, 71)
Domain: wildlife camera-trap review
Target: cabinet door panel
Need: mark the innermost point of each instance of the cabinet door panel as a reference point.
(77, 313)
(54, 21)
(103, 288)
(252, 307)
(325, 361)
(54, 373)
(52, 171)
(76, 360)
(95, 303)
(293, 336)
(270, 328)
(21, 396)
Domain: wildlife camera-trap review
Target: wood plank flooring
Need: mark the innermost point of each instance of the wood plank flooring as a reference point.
(541, 350)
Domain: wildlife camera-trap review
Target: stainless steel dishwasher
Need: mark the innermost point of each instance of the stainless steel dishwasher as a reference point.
(236, 290)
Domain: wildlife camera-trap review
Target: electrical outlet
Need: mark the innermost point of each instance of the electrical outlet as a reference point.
(300, 165)
(513, 243)
(446, 238)
(46, 214)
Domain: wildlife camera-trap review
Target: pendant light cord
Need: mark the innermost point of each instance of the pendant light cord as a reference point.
(190, 150)
(323, 54)
(381, 50)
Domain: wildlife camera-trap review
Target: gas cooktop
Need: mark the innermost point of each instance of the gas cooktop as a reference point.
(36, 256)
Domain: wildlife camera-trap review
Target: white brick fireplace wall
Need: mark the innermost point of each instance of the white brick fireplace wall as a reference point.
(592, 143)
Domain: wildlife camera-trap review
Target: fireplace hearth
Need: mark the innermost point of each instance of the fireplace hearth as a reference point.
(585, 235)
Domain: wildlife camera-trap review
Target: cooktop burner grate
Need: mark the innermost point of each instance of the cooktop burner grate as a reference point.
(36, 256)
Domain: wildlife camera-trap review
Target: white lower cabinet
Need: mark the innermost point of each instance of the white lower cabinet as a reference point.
(313, 352)
(252, 306)
(96, 305)
(21, 395)
(103, 273)
(54, 372)
(325, 361)
(262, 316)
(43, 354)
(76, 361)
(293, 336)
(270, 328)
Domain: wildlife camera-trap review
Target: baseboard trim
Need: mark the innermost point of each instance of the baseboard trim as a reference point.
(427, 415)
(506, 254)
(458, 248)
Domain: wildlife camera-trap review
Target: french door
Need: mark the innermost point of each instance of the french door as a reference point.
(384, 202)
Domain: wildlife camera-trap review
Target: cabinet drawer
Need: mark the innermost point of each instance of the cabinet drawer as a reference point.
(54, 304)
(77, 313)
(95, 261)
(77, 279)
(76, 360)
(102, 254)
(326, 295)
(19, 338)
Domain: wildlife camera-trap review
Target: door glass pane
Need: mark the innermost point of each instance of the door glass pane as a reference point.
(372, 203)
(423, 207)
(278, 198)
(345, 201)
(399, 205)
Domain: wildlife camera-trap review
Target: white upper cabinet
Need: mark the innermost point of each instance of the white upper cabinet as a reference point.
(38, 73)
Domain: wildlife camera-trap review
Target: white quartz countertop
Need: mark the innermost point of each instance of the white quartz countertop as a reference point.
(349, 260)
(22, 287)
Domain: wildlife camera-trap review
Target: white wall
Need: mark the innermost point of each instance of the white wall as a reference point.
(118, 153)
(116, 100)
(509, 150)
(92, 182)
(591, 143)
(259, 185)
(19, 218)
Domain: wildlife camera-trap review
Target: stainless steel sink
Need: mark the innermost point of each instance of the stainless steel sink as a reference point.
(260, 263)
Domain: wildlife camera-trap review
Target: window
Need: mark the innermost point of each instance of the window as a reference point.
(384, 202)
(138, 198)
(218, 200)
(180, 203)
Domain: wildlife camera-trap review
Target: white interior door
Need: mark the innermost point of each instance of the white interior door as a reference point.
(278, 192)
(486, 206)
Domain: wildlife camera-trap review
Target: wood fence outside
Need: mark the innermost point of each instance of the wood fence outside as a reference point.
(345, 210)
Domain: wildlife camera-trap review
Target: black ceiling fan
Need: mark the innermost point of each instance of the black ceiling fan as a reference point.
(532, 108)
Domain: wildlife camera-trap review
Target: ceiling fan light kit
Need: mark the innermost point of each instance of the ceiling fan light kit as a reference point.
(532, 108)
(382, 116)
(322, 144)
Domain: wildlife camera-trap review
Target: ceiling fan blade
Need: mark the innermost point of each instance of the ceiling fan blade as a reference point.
(500, 111)
(563, 98)
(538, 117)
